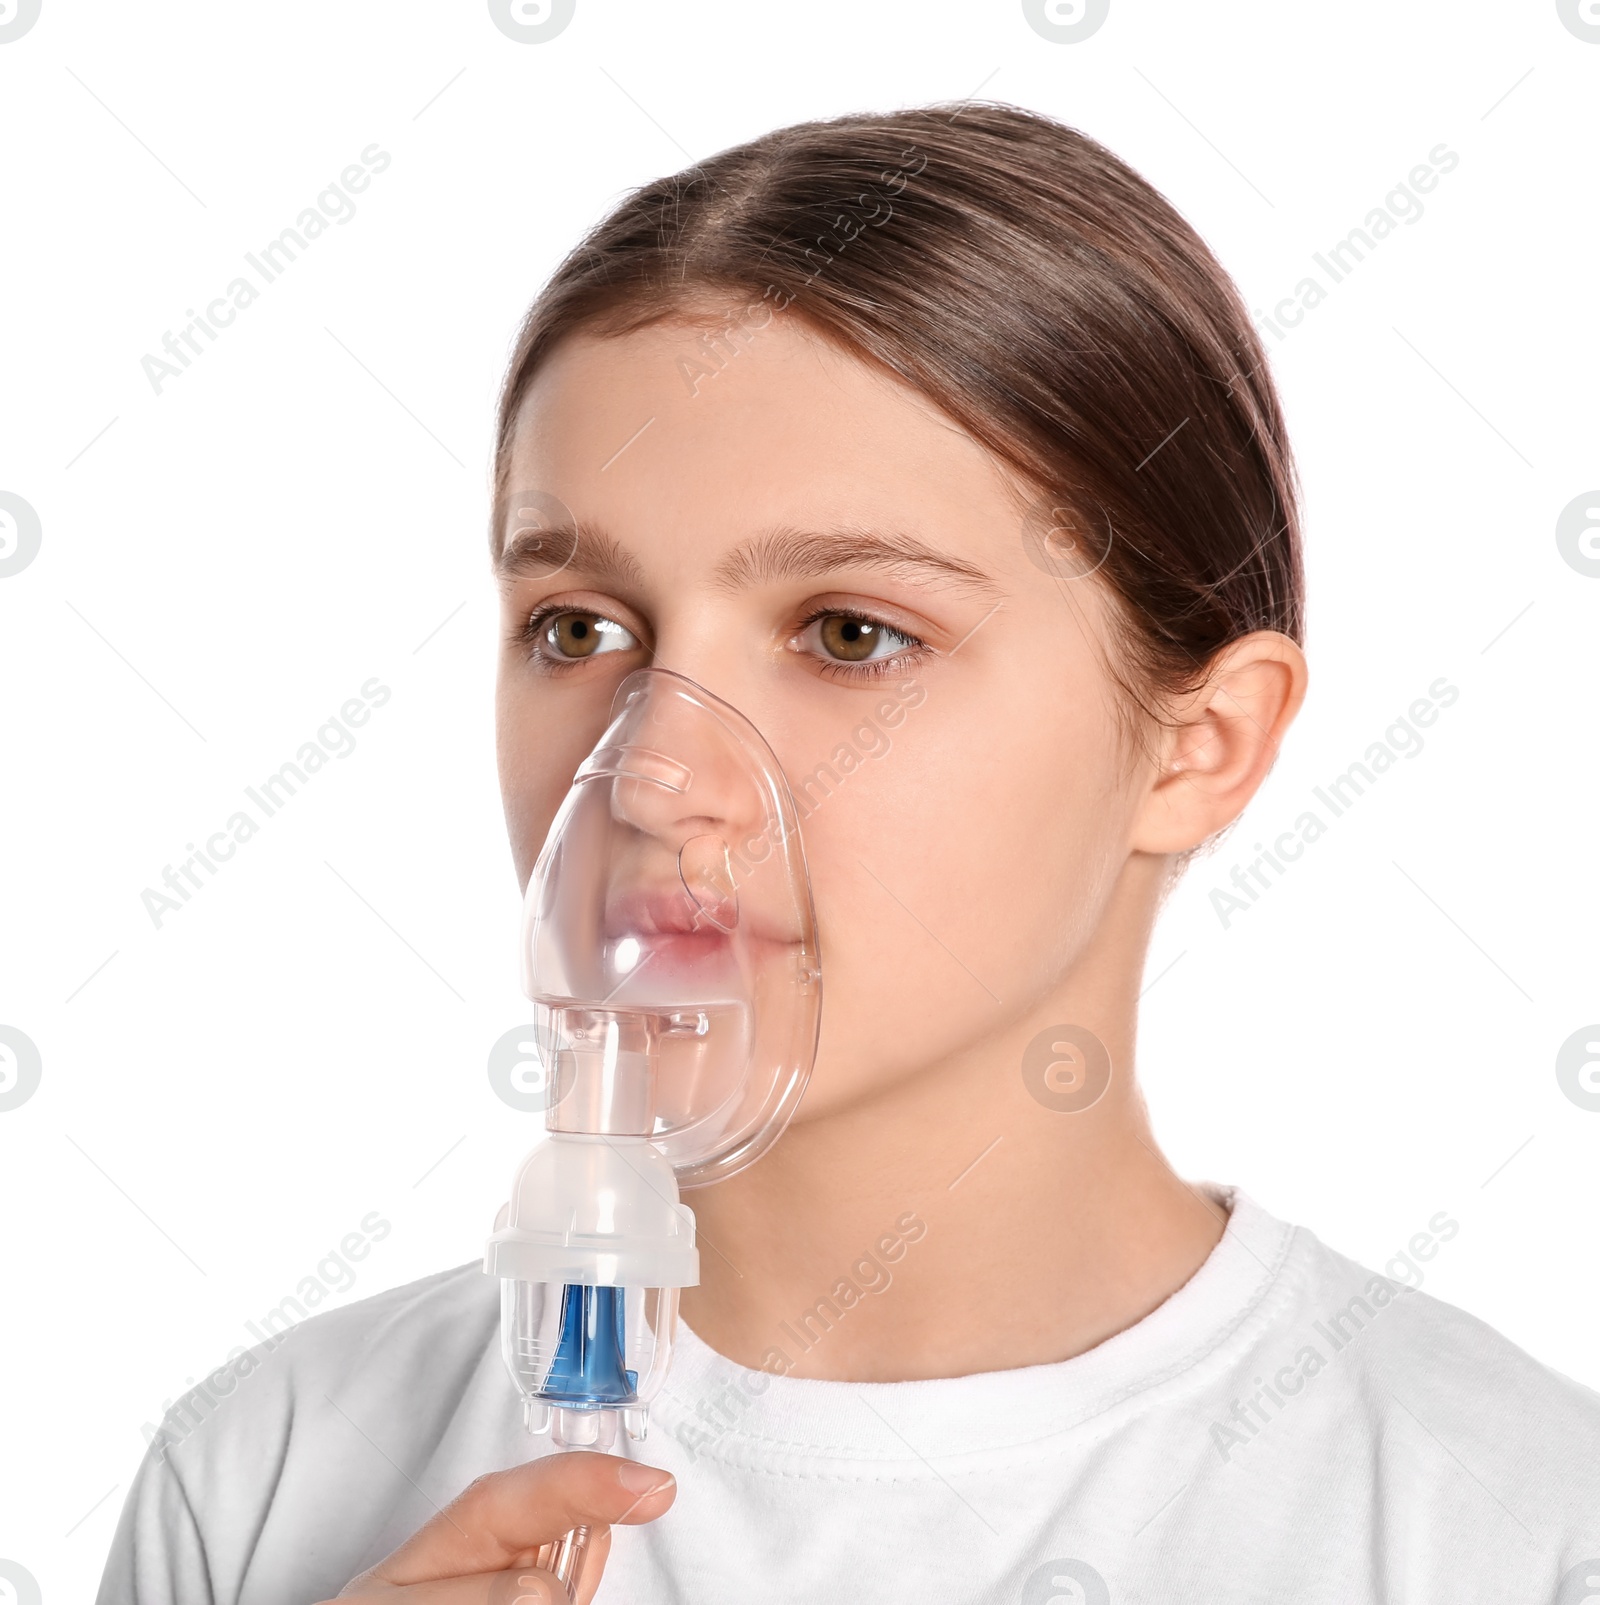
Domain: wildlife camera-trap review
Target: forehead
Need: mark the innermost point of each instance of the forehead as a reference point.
(683, 425)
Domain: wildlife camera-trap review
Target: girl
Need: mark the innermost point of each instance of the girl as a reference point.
(940, 446)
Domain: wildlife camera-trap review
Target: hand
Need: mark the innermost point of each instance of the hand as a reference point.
(482, 1547)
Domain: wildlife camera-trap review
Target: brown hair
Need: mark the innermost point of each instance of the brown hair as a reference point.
(1041, 293)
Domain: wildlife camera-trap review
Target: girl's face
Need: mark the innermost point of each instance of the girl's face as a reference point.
(821, 547)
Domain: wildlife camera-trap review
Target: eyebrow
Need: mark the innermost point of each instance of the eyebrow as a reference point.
(787, 553)
(781, 553)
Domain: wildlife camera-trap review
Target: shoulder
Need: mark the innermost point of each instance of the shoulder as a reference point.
(438, 1327)
(1444, 1409)
(316, 1429)
(445, 1313)
(1393, 1329)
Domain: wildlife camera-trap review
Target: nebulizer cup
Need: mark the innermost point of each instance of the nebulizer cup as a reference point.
(669, 947)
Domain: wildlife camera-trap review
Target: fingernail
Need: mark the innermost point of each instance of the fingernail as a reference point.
(643, 1479)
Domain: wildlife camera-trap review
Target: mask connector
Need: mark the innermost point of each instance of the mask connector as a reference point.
(591, 1252)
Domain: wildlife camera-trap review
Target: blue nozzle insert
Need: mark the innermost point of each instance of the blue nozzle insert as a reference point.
(587, 1371)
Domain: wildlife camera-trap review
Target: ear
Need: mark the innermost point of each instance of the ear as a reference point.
(1221, 742)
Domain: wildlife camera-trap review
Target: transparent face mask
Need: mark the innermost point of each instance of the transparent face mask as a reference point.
(669, 946)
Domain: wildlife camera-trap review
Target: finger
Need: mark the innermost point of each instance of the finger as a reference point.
(503, 1516)
(576, 1561)
(521, 1585)
(546, 1581)
(594, 1565)
(525, 1586)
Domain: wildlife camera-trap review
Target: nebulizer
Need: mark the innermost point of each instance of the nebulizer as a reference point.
(669, 947)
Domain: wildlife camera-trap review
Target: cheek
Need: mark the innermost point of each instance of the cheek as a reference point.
(540, 739)
(956, 879)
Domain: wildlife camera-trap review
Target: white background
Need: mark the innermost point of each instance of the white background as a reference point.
(223, 565)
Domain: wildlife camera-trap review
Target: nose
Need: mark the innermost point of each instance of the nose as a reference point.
(749, 682)
(679, 773)
(708, 641)
(703, 801)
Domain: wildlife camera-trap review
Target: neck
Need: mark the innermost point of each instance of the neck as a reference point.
(955, 1223)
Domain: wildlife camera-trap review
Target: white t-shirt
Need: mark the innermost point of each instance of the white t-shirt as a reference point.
(1287, 1427)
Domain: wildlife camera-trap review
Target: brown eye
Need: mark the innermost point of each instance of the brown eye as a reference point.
(866, 645)
(582, 635)
(852, 640)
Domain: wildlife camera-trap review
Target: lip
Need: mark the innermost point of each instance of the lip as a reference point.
(675, 944)
(660, 911)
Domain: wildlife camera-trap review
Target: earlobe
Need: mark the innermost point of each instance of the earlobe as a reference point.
(1222, 742)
